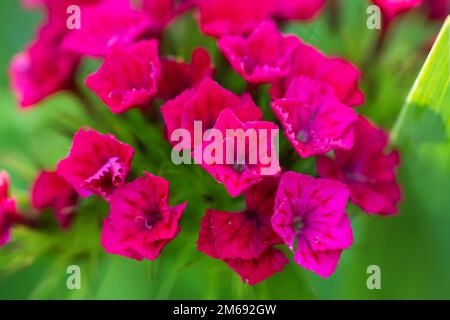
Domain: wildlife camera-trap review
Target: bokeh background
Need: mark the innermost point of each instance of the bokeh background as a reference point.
(412, 248)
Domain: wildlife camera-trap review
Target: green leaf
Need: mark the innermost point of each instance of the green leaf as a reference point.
(416, 263)
(429, 100)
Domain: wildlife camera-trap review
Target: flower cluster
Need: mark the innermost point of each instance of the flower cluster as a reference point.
(313, 97)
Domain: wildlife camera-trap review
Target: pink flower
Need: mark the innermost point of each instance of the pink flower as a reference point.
(367, 170)
(241, 163)
(96, 163)
(298, 9)
(128, 77)
(50, 191)
(312, 211)
(177, 76)
(314, 121)
(141, 223)
(105, 25)
(341, 76)
(162, 12)
(393, 8)
(8, 211)
(262, 57)
(204, 103)
(244, 240)
(43, 68)
(226, 17)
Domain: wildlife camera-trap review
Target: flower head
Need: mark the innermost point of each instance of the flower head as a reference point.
(311, 212)
(262, 57)
(298, 9)
(128, 77)
(314, 121)
(141, 223)
(43, 68)
(367, 170)
(105, 25)
(8, 211)
(235, 158)
(204, 103)
(50, 191)
(96, 163)
(244, 240)
(339, 75)
(227, 17)
(178, 76)
(394, 8)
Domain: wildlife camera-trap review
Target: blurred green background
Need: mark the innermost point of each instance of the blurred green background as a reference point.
(412, 249)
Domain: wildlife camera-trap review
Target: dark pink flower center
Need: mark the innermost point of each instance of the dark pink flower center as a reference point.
(355, 177)
(238, 167)
(298, 224)
(110, 176)
(298, 212)
(149, 219)
(303, 136)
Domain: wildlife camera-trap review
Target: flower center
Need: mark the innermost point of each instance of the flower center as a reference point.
(303, 136)
(356, 177)
(110, 176)
(298, 224)
(149, 219)
(238, 167)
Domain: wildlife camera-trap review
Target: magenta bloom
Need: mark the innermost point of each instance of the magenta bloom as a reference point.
(314, 121)
(367, 170)
(128, 77)
(106, 25)
(244, 240)
(393, 8)
(341, 76)
(8, 211)
(227, 17)
(50, 191)
(162, 12)
(177, 76)
(96, 163)
(141, 223)
(204, 103)
(298, 9)
(240, 164)
(43, 68)
(262, 57)
(312, 211)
